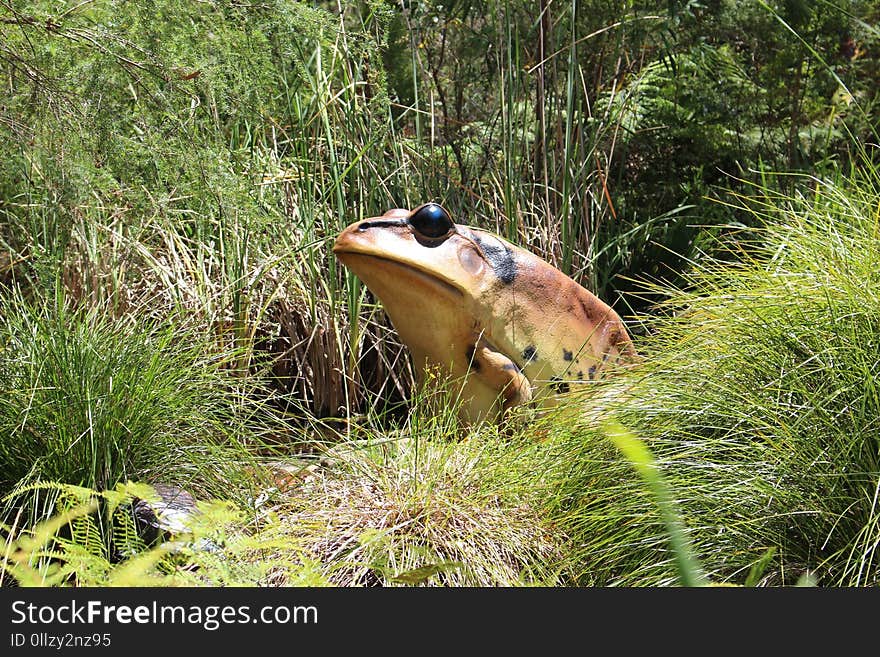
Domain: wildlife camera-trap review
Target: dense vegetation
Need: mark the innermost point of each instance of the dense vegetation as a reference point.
(173, 175)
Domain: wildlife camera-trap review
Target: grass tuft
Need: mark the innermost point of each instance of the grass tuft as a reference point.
(434, 503)
(90, 401)
(759, 393)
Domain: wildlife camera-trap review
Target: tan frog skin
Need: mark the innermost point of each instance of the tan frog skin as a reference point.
(506, 322)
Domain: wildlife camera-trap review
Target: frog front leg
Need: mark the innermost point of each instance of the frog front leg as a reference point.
(500, 373)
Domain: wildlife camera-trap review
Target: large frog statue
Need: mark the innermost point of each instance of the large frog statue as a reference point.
(508, 324)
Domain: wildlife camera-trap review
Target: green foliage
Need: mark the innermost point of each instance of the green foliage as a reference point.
(217, 547)
(760, 395)
(91, 402)
(198, 158)
(74, 545)
(610, 127)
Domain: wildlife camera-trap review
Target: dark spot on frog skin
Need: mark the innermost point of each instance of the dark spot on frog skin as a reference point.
(473, 364)
(530, 354)
(498, 256)
(511, 367)
(380, 223)
(590, 311)
(566, 354)
(559, 385)
(592, 372)
(580, 376)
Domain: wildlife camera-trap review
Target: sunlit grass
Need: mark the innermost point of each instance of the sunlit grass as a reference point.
(90, 401)
(433, 502)
(760, 391)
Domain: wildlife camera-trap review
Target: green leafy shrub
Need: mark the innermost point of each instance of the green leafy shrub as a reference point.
(93, 540)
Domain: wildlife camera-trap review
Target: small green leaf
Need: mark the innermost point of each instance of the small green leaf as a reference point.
(636, 452)
(759, 567)
(420, 575)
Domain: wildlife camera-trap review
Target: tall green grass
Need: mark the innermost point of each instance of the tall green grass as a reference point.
(761, 393)
(91, 401)
(204, 177)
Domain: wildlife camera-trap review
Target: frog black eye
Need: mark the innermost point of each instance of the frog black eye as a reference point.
(431, 221)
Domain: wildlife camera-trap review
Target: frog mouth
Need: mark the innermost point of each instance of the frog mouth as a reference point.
(350, 258)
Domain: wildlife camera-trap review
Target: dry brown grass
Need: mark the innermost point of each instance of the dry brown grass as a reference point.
(418, 512)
